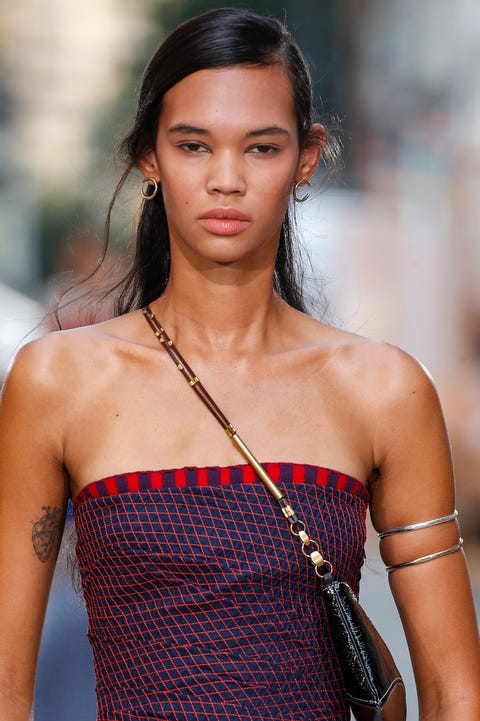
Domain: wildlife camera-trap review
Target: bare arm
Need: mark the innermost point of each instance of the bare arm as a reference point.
(33, 496)
(434, 599)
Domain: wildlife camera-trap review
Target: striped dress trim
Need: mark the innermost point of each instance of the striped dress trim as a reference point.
(217, 476)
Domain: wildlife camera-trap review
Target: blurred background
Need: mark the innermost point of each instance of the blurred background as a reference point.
(395, 240)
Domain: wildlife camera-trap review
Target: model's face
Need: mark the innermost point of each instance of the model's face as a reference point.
(227, 156)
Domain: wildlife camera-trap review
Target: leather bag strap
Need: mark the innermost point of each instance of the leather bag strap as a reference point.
(310, 548)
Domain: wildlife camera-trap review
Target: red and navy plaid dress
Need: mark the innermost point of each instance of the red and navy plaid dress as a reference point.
(201, 606)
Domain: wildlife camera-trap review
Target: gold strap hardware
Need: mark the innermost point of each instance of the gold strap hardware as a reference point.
(288, 512)
(297, 527)
(316, 558)
(304, 537)
(230, 430)
(259, 470)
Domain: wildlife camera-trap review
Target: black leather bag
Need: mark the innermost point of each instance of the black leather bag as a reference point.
(375, 688)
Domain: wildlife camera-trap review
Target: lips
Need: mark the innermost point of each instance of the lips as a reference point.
(224, 221)
(224, 214)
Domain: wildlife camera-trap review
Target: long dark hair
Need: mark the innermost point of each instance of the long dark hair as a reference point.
(218, 38)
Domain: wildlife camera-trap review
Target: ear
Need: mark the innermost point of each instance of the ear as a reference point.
(311, 152)
(148, 165)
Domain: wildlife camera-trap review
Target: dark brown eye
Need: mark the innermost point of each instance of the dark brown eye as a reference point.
(193, 147)
(264, 149)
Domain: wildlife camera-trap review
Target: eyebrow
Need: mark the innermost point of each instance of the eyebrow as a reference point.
(184, 129)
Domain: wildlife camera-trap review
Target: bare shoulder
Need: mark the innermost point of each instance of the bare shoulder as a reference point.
(49, 367)
(395, 389)
(396, 382)
(387, 392)
(393, 399)
(386, 372)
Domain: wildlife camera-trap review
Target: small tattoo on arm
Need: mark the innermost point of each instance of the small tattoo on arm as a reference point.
(45, 532)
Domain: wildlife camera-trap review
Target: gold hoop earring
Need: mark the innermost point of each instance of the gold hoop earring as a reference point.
(146, 190)
(301, 184)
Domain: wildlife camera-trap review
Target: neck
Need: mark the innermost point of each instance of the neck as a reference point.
(220, 310)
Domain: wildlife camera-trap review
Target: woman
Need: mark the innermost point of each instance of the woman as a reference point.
(200, 606)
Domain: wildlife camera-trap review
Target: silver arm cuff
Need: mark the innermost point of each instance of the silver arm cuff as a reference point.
(418, 526)
(425, 559)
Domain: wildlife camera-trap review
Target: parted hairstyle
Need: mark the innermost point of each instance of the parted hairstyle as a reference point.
(218, 38)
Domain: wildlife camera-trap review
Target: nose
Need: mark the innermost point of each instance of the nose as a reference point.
(226, 175)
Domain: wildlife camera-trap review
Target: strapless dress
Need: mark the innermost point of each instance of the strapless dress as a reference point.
(201, 606)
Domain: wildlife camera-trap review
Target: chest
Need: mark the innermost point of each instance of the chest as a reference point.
(147, 417)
